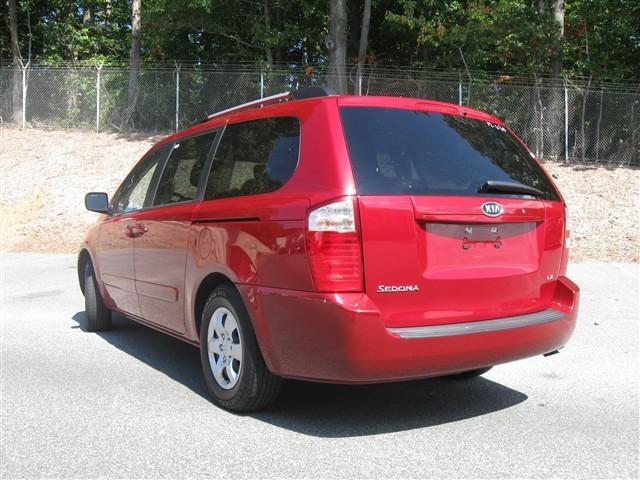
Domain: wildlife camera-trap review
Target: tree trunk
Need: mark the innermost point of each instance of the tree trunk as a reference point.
(362, 52)
(556, 56)
(267, 24)
(16, 87)
(134, 64)
(598, 124)
(280, 50)
(336, 44)
(555, 117)
(13, 30)
(585, 96)
(86, 15)
(557, 110)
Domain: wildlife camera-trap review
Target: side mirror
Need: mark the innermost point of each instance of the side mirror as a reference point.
(97, 202)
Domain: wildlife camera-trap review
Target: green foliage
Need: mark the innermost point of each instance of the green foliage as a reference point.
(602, 37)
(500, 35)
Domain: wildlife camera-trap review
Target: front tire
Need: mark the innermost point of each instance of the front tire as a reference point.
(98, 316)
(235, 372)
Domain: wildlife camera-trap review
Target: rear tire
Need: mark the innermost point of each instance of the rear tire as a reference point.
(470, 374)
(235, 371)
(98, 317)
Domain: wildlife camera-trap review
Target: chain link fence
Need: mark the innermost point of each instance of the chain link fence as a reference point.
(575, 119)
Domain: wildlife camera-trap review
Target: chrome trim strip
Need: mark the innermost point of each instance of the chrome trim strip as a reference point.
(481, 326)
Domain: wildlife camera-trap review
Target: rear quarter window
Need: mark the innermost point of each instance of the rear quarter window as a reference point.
(396, 151)
(254, 157)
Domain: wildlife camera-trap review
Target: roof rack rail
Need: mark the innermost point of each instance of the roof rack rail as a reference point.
(261, 102)
(301, 94)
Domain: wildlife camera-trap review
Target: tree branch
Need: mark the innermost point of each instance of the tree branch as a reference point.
(239, 40)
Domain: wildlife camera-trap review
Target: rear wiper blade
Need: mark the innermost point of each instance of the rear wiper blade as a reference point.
(496, 186)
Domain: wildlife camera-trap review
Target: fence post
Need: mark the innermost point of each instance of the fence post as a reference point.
(261, 83)
(566, 123)
(459, 88)
(99, 68)
(177, 97)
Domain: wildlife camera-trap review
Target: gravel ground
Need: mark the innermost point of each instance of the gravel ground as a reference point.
(132, 403)
(603, 205)
(45, 174)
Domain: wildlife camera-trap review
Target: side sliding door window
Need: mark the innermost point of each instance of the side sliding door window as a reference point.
(181, 175)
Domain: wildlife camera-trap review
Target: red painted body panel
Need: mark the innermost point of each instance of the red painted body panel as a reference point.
(160, 263)
(258, 242)
(426, 236)
(114, 257)
(342, 338)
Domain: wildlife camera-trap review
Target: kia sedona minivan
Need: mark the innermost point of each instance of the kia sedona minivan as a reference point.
(336, 239)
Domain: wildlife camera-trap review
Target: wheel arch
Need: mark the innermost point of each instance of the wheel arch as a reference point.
(261, 329)
(207, 285)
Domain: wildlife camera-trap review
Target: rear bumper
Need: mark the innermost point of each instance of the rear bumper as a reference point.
(341, 337)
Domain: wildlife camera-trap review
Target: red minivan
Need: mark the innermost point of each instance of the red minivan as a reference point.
(336, 239)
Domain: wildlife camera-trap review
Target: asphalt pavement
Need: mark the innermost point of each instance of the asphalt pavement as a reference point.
(132, 402)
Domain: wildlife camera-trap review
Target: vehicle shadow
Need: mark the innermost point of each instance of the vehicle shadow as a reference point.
(325, 410)
(176, 359)
(335, 411)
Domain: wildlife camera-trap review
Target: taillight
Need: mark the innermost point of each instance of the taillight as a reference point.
(333, 246)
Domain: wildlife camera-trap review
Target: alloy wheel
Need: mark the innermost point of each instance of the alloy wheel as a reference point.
(224, 348)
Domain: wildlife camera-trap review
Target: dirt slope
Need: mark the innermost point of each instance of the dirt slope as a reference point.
(45, 174)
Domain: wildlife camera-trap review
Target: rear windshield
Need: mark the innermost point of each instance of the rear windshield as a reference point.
(395, 151)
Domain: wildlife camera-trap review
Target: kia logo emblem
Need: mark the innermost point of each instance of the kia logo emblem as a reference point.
(492, 209)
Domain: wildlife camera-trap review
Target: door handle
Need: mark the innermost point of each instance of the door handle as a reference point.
(135, 231)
